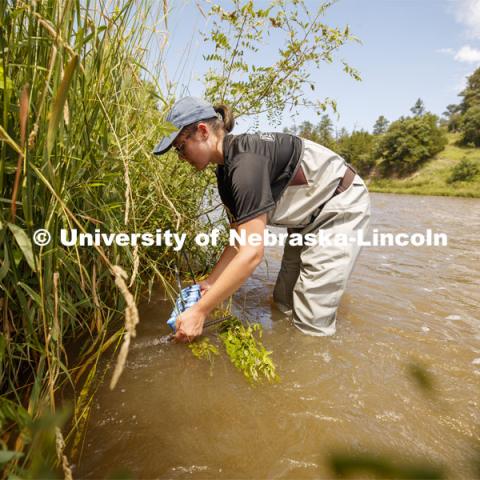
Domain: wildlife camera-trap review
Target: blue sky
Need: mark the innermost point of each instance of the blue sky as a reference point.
(410, 49)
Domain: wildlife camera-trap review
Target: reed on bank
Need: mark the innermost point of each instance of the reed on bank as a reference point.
(80, 115)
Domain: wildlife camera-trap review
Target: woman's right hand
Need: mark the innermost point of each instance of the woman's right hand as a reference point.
(204, 286)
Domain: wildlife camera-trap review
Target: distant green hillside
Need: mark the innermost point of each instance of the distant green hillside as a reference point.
(431, 178)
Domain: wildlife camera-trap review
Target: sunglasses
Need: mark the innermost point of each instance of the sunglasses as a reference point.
(180, 149)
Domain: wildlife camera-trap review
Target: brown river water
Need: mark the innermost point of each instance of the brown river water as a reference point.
(171, 416)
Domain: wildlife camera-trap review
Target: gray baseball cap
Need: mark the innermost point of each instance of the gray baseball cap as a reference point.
(187, 110)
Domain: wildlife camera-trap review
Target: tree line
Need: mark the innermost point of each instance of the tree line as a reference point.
(399, 148)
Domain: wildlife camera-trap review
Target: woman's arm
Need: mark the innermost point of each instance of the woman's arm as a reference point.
(240, 267)
(226, 257)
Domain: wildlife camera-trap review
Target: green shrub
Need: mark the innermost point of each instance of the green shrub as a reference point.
(463, 171)
(357, 149)
(408, 143)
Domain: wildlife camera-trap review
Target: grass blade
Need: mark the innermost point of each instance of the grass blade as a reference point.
(59, 103)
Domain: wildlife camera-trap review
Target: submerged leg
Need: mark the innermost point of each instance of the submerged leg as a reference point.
(287, 277)
(324, 270)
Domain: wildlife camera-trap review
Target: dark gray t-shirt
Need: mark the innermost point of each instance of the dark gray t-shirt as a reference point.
(257, 168)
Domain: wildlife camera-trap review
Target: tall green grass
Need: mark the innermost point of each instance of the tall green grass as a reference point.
(80, 116)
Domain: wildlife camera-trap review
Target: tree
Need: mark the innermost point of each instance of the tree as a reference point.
(321, 133)
(325, 132)
(241, 76)
(342, 133)
(419, 108)
(307, 130)
(468, 123)
(471, 94)
(453, 116)
(408, 143)
(357, 149)
(380, 126)
(470, 127)
(450, 110)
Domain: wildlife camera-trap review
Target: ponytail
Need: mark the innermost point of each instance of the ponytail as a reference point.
(226, 115)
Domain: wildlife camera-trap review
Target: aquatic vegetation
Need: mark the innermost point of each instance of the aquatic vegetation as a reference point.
(204, 349)
(242, 345)
(246, 351)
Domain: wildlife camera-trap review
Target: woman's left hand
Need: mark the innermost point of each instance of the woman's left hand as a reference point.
(189, 324)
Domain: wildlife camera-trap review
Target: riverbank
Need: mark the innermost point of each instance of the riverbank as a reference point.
(431, 179)
(81, 139)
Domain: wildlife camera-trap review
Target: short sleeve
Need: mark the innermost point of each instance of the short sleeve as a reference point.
(248, 180)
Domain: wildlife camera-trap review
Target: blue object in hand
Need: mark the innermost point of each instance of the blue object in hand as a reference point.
(190, 295)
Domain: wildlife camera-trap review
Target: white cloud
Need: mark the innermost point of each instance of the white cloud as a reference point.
(468, 13)
(468, 54)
